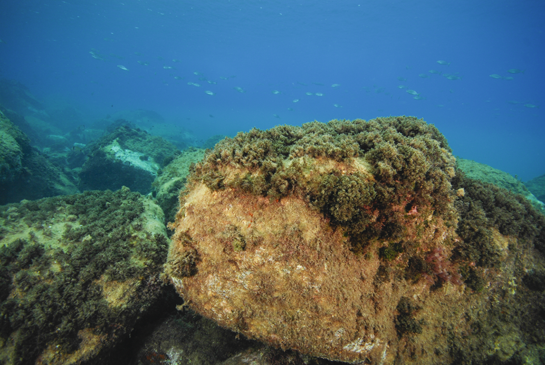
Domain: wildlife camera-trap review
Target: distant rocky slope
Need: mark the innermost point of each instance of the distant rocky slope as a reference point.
(24, 172)
(125, 157)
(537, 187)
(482, 172)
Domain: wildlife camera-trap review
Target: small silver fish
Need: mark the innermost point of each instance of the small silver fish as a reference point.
(295, 100)
(515, 71)
(495, 76)
(123, 67)
(276, 92)
(412, 92)
(309, 94)
(335, 85)
(319, 94)
(444, 63)
(209, 92)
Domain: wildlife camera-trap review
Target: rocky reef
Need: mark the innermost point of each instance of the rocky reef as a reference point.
(482, 172)
(537, 187)
(125, 157)
(25, 173)
(360, 241)
(76, 272)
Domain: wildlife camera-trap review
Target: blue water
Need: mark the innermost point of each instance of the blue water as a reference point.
(368, 48)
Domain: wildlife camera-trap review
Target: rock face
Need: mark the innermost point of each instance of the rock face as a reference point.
(356, 241)
(126, 157)
(76, 272)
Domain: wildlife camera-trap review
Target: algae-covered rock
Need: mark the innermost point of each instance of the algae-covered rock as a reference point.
(76, 272)
(12, 143)
(172, 179)
(341, 241)
(126, 157)
(24, 172)
(479, 171)
(537, 187)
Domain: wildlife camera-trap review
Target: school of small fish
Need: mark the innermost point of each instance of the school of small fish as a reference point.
(432, 74)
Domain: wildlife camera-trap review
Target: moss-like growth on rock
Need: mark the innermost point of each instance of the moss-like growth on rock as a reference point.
(75, 273)
(484, 207)
(478, 171)
(331, 166)
(405, 321)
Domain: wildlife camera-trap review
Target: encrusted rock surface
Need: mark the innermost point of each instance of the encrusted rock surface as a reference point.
(76, 272)
(359, 242)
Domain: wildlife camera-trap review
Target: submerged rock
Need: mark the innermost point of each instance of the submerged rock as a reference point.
(76, 272)
(24, 172)
(172, 179)
(479, 171)
(126, 157)
(358, 241)
(537, 187)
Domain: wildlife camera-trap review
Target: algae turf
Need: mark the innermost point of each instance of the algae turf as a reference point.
(405, 322)
(485, 207)
(74, 267)
(410, 162)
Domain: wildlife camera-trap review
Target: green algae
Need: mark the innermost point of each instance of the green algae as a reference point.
(410, 162)
(58, 282)
(485, 206)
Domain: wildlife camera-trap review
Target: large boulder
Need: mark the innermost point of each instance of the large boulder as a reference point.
(125, 157)
(357, 241)
(76, 272)
(24, 172)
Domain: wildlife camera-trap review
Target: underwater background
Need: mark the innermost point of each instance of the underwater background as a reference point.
(473, 69)
(409, 229)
